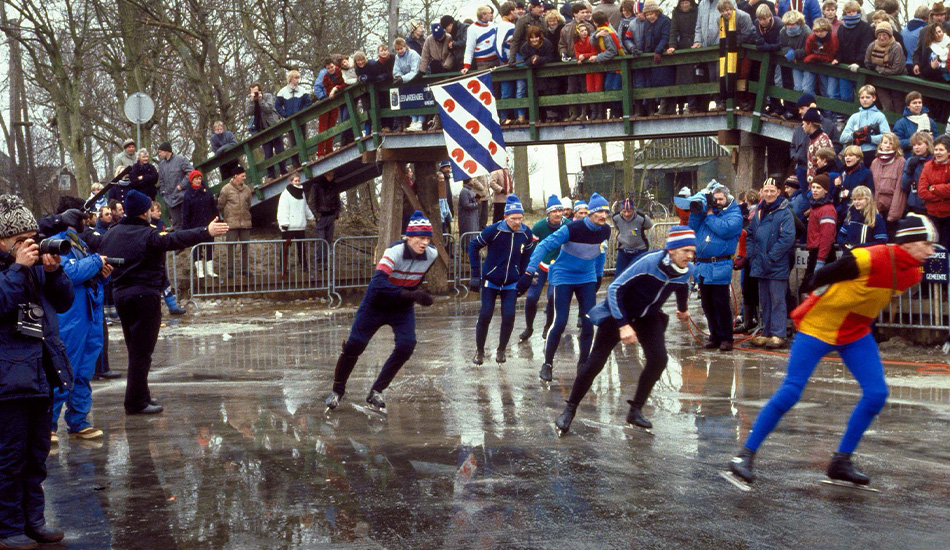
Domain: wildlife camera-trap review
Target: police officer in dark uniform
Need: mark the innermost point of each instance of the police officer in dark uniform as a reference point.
(33, 289)
(137, 287)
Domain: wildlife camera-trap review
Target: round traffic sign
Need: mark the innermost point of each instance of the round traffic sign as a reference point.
(139, 108)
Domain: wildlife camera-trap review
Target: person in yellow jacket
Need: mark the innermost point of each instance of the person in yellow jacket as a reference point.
(837, 316)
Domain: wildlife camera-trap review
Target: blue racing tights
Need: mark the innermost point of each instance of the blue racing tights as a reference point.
(586, 296)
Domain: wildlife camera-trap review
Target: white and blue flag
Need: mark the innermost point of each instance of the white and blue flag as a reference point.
(471, 127)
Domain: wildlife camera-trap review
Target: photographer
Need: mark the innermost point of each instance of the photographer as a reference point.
(138, 284)
(81, 328)
(33, 289)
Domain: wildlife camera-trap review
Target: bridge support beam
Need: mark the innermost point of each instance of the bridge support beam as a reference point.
(390, 207)
(750, 163)
(427, 191)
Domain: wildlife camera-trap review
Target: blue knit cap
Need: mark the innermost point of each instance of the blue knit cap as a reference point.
(136, 203)
(419, 225)
(598, 204)
(513, 205)
(579, 204)
(437, 31)
(554, 203)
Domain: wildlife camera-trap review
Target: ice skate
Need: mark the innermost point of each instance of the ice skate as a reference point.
(842, 473)
(740, 470)
(332, 402)
(636, 418)
(524, 336)
(563, 422)
(479, 357)
(500, 356)
(375, 400)
(546, 374)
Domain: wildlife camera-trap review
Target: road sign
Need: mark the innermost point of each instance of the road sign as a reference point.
(139, 108)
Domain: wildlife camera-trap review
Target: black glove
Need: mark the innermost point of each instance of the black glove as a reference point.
(524, 283)
(696, 207)
(600, 281)
(419, 296)
(874, 129)
(74, 218)
(474, 284)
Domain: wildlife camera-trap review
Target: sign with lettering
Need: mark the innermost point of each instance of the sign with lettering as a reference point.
(801, 258)
(936, 267)
(410, 97)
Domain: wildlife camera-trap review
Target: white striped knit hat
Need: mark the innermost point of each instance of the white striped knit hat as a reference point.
(680, 236)
(419, 225)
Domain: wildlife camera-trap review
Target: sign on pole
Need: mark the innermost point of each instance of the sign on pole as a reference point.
(139, 109)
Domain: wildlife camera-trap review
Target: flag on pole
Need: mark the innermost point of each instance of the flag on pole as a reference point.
(470, 126)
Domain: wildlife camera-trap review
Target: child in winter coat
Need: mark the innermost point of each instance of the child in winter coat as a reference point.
(916, 119)
(934, 188)
(585, 52)
(866, 126)
(854, 37)
(821, 46)
(792, 47)
(922, 146)
(536, 52)
(887, 170)
(886, 56)
(607, 44)
(854, 175)
(863, 226)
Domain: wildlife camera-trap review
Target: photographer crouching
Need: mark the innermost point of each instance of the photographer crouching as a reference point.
(137, 287)
(33, 289)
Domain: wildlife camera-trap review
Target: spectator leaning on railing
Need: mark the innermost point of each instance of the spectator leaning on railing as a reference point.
(221, 141)
(291, 99)
(260, 107)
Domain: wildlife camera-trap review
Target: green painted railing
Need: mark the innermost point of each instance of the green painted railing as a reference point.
(373, 114)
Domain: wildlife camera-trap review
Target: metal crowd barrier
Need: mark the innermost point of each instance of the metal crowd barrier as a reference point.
(254, 267)
(353, 264)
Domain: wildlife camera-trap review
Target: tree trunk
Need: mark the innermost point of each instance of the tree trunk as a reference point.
(427, 190)
(562, 170)
(522, 177)
(390, 214)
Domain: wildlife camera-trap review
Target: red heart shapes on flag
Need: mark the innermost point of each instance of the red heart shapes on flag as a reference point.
(448, 105)
(492, 148)
(473, 126)
(486, 98)
(473, 86)
(458, 154)
(470, 166)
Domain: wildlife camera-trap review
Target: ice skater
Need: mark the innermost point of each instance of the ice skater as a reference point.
(540, 231)
(579, 268)
(849, 295)
(389, 300)
(509, 244)
(633, 312)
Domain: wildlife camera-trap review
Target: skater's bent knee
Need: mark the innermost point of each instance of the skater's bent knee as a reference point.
(874, 400)
(354, 346)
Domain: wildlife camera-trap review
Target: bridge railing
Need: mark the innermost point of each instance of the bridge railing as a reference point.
(304, 125)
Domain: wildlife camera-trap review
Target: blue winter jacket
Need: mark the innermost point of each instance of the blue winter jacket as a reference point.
(583, 247)
(642, 289)
(770, 239)
(717, 235)
(912, 169)
(81, 267)
(865, 117)
(798, 202)
(854, 233)
(31, 367)
(859, 175)
(904, 128)
(811, 9)
(319, 92)
(508, 254)
(911, 35)
(292, 100)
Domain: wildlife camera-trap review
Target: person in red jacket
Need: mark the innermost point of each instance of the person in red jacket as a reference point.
(933, 187)
(821, 46)
(822, 227)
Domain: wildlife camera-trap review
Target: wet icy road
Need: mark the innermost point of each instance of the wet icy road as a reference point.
(243, 457)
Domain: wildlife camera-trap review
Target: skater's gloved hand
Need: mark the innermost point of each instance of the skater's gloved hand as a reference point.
(628, 335)
(419, 296)
(524, 283)
(474, 284)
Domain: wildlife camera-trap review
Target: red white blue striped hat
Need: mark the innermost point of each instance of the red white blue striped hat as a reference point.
(680, 236)
(419, 225)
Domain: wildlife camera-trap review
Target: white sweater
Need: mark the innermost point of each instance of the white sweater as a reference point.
(293, 213)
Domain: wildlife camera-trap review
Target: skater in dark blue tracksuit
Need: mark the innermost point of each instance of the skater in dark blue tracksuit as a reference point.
(509, 245)
(578, 270)
(540, 231)
(633, 312)
(81, 331)
(389, 300)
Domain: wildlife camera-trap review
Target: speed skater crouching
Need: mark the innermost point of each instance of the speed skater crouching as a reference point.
(633, 312)
(389, 300)
(540, 231)
(509, 245)
(849, 295)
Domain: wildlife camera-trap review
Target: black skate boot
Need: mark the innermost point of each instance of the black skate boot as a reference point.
(740, 470)
(500, 356)
(841, 469)
(479, 357)
(546, 372)
(333, 401)
(636, 418)
(563, 422)
(524, 336)
(375, 400)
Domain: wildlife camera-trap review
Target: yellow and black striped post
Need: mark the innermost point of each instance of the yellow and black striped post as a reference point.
(728, 60)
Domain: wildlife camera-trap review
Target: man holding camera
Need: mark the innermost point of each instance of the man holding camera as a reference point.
(81, 328)
(33, 289)
(715, 217)
(138, 284)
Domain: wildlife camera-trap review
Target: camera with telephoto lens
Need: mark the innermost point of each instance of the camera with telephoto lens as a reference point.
(58, 247)
(115, 262)
(29, 320)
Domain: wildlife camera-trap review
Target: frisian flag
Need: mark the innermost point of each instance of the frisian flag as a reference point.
(470, 126)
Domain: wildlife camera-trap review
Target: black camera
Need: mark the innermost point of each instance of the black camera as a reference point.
(29, 320)
(58, 247)
(115, 262)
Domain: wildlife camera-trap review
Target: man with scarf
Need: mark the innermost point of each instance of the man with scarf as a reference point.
(633, 312)
(509, 245)
(81, 329)
(853, 291)
(292, 217)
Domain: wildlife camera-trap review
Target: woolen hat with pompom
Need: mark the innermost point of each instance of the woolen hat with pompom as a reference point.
(15, 217)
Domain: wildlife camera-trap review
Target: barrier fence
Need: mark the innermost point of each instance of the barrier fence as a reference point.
(313, 265)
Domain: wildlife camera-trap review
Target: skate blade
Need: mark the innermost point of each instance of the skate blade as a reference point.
(629, 428)
(371, 411)
(849, 485)
(741, 484)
